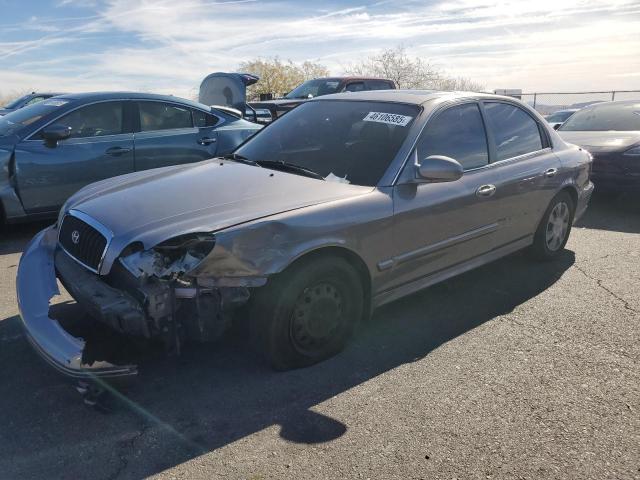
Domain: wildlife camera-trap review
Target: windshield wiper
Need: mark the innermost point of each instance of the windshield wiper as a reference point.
(240, 159)
(290, 167)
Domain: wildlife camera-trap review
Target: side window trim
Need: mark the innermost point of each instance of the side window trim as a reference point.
(128, 110)
(135, 116)
(544, 139)
(491, 141)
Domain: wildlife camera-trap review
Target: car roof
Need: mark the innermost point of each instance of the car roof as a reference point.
(413, 97)
(617, 102)
(91, 96)
(352, 77)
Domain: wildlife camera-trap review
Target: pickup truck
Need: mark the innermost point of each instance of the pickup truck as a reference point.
(317, 87)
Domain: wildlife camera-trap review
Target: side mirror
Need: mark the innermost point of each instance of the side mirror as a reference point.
(557, 126)
(438, 169)
(54, 133)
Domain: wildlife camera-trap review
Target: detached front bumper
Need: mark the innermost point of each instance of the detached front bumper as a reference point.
(36, 285)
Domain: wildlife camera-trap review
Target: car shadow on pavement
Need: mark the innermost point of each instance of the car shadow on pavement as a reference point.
(217, 394)
(16, 236)
(620, 213)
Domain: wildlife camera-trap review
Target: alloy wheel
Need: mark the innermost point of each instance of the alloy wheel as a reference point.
(557, 226)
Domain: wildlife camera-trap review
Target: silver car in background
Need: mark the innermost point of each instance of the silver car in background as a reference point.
(343, 205)
(557, 118)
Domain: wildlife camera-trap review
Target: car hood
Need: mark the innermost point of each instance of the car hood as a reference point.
(601, 141)
(155, 205)
(4, 111)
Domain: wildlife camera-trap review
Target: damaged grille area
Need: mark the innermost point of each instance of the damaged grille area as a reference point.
(82, 241)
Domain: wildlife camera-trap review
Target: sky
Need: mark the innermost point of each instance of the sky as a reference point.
(170, 46)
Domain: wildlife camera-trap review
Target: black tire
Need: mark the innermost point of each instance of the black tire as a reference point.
(290, 314)
(543, 248)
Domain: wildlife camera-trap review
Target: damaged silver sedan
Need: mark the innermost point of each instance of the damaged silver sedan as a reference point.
(346, 203)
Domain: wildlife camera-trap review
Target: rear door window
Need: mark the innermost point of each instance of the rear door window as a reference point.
(458, 132)
(379, 85)
(515, 132)
(163, 116)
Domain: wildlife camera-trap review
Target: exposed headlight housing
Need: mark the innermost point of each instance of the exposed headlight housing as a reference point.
(196, 244)
(171, 258)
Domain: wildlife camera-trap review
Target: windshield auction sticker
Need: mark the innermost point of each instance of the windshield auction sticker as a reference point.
(388, 118)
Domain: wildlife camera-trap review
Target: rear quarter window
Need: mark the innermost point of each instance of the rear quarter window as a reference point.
(379, 85)
(203, 119)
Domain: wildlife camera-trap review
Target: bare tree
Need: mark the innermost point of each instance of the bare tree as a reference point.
(461, 84)
(278, 76)
(396, 65)
(408, 72)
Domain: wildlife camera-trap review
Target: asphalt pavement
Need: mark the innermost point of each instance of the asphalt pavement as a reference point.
(515, 370)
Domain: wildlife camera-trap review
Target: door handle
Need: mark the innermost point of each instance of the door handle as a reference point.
(550, 172)
(117, 151)
(206, 141)
(486, 190)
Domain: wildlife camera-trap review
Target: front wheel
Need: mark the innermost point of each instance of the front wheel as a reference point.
(554, 229)
(307, 313)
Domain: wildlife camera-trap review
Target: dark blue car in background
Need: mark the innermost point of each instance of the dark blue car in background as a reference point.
(53, 148)
(610, 131)
(25, 101)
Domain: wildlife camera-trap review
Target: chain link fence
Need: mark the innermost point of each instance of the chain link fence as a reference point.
(549, 102)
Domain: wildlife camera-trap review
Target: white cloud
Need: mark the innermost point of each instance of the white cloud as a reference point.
(542, 45)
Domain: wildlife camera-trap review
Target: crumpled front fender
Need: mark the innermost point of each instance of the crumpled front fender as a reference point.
(36, 285)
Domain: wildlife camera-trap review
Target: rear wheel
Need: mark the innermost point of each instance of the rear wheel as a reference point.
(555, 227)
(307, 313)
